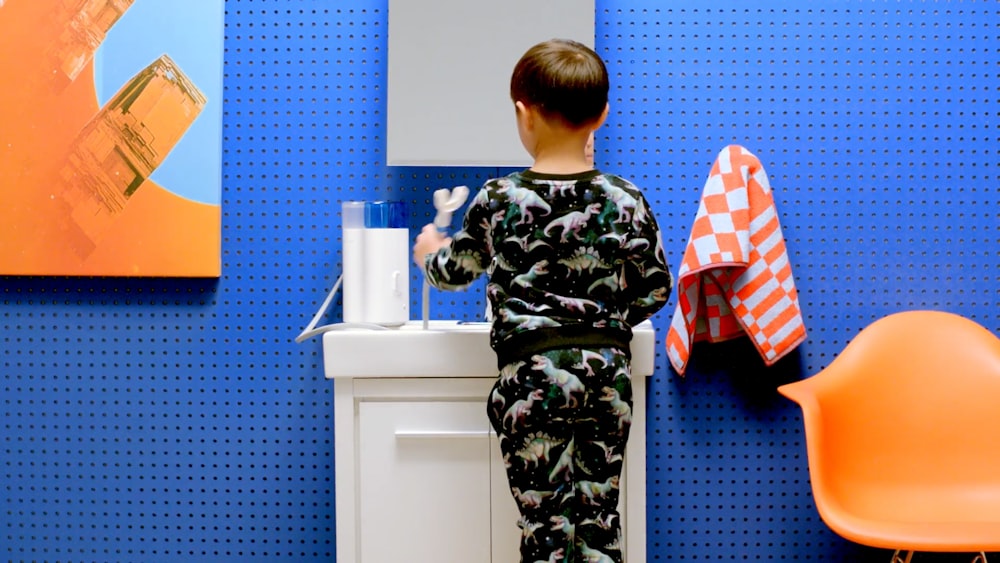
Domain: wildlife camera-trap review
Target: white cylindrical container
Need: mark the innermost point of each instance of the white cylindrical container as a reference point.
(387, 264)
(352, 236)
(387, 276)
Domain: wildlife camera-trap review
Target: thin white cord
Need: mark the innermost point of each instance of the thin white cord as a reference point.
(425, 304)
(311, 331)
(338, 326)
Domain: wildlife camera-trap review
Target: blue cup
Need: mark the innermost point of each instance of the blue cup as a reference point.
(385, 215)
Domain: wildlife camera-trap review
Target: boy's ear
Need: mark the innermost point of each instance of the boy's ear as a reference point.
(524, 115)
(604, 115)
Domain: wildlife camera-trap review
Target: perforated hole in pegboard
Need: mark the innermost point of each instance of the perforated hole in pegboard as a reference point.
(175, 420)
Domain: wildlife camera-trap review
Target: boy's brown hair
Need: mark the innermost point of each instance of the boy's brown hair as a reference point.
(562, 79)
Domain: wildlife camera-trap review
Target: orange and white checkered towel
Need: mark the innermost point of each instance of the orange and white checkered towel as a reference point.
(735, 278)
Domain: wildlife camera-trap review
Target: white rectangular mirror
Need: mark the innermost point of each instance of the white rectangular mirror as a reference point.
(449, 75)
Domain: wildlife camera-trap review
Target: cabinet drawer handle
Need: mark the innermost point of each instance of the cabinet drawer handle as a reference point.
(441, 434)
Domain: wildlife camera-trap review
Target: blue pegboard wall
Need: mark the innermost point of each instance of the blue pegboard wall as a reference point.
(175, 420)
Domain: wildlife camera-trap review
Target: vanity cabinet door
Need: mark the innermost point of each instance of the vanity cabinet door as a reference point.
(424, 480)
(420, 476)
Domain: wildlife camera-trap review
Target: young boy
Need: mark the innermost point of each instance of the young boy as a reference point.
(574, 260)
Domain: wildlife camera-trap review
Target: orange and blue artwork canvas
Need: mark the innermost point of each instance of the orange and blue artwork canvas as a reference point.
(111, 137)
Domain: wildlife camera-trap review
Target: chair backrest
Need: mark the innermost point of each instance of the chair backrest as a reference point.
(913, 398)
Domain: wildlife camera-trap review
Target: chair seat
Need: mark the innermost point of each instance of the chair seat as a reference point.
(916, 517)
(902, 433)
(933, 534)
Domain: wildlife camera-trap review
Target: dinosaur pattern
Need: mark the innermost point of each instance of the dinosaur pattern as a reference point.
(574, 249)
(564, 456)
(580, 251)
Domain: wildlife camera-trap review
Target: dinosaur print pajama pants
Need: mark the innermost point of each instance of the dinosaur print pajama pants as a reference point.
(563, 419)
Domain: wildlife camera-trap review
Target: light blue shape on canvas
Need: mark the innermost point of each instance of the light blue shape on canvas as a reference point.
(191, 33)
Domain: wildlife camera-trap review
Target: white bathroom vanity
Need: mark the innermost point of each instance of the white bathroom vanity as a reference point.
(419, 474)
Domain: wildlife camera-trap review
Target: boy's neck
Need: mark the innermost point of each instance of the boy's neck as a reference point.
(561, 158)
(555, 147)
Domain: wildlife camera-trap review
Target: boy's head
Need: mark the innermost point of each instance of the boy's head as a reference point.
(563, 80)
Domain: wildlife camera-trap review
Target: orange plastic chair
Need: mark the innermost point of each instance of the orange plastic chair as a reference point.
(903, 436)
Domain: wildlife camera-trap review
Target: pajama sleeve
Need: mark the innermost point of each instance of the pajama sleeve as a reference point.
(459, 263)
(647, 277)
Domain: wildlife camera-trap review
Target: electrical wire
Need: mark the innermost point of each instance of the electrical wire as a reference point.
(311, 330)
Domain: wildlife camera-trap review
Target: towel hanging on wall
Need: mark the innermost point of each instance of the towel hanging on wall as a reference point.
(735, 278)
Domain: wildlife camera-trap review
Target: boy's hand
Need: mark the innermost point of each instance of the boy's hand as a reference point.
(429, 241)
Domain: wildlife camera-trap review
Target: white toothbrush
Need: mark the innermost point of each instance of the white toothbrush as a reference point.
(446, 202)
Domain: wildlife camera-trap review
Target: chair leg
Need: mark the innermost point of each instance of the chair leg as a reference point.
(979, 558)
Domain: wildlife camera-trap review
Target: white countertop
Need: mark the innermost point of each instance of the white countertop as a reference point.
(444, 349)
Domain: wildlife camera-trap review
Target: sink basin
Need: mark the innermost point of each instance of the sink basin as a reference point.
(444, 349)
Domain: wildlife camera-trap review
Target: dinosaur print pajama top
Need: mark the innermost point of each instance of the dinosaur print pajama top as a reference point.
(573, 262)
